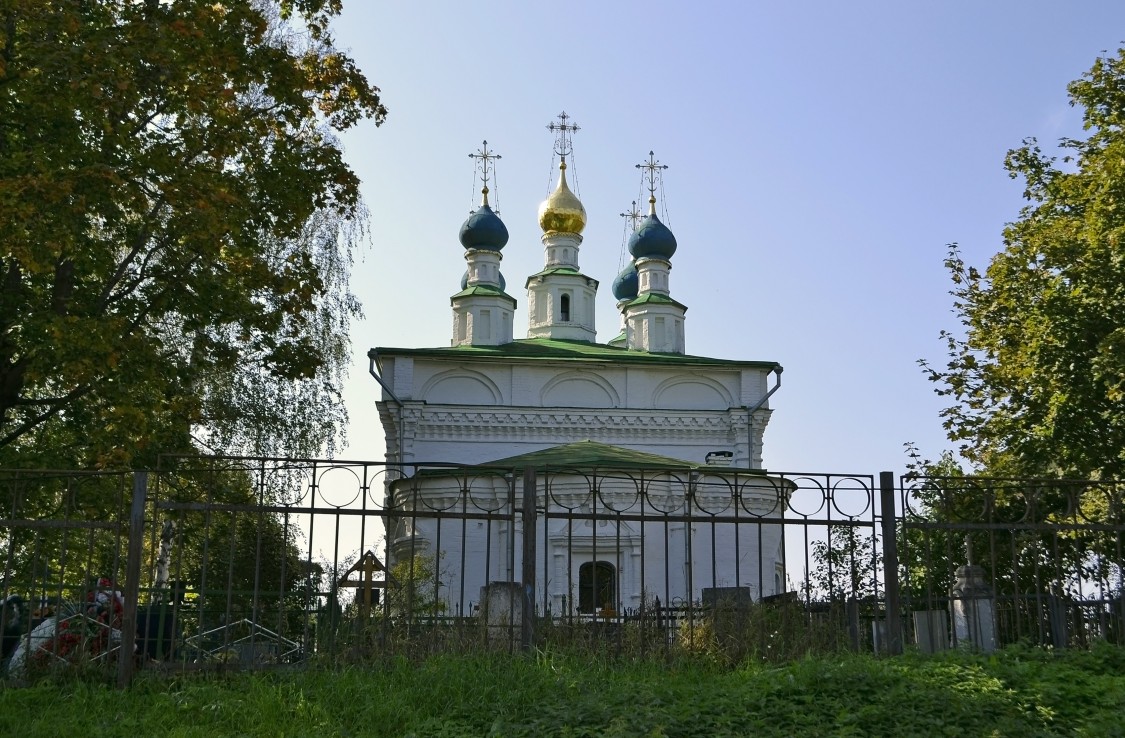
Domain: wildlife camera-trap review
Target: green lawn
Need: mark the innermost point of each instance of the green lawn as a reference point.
(1019, 692)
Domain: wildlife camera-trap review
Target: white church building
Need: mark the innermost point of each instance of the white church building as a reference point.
(648, 459)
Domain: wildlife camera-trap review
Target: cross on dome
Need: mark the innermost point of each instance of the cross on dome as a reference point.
(652, 172)
(652, 239)
(483, 156)
(562, 211)
(563, 133)
(635, 216)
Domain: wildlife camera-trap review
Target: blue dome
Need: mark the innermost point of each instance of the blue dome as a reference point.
(626, 285)
(652, 240)
(484, 230)
(465, 281)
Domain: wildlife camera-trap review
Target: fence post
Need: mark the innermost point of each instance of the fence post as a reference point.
(125, 661)
(890, 562)
(527, 612)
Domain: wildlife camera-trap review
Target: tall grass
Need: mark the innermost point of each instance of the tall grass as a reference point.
(1015, 692)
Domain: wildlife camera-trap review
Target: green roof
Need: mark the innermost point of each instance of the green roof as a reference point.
(656, 299)
(560, 270)
(593, 455)
(552, 349)
(481, 289)
(587, 454)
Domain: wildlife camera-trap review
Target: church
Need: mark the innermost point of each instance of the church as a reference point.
(650, 485)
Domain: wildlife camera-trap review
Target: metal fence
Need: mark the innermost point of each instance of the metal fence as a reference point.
(1046, 555)
(246, 563)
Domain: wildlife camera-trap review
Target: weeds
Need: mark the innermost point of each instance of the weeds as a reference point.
(557, 693)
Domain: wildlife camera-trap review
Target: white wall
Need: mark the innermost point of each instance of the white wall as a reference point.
(474, 411)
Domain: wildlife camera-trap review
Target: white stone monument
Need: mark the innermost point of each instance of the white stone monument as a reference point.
(973, 606)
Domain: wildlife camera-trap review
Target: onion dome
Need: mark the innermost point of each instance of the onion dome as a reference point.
(652, 240)
(626, 285)
(465, 281)
(484, 229)
(562, 211)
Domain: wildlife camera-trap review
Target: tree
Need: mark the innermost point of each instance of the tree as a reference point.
(1038, 381)
(414, 588)
(236, 559)
(847, 564)
(176, 223)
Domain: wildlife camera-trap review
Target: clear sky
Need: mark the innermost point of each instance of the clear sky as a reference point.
(821, 157)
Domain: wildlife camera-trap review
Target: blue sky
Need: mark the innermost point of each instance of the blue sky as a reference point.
(821, 157)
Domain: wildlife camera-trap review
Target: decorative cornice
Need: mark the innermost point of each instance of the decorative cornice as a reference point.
(593, 424)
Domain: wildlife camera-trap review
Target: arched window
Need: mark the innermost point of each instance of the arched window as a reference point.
(597, 586)
(564, 308)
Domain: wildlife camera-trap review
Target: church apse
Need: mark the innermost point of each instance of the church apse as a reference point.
(669, 530)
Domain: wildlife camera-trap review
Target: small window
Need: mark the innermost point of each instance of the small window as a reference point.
(597, 587)
(564, 308)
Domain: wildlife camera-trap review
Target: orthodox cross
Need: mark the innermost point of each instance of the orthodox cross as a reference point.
(563, 132)
(633, 215)
(483, 157)
(652, 171)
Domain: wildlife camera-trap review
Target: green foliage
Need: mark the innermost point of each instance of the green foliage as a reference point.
(847, 564)
(1014, 692)
(1037, 384)
(176, 223)
(779, 632)
(937, 491)
(42, 561)
(235, 562)
(1032, 537)
(414, 588)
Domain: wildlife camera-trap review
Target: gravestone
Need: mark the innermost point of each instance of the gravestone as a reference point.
(501, 611)
(1057, 615)
(729, 597)
(931, 630)
(729, 614)
(973, 606)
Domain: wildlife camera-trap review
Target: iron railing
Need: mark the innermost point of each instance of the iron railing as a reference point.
(245, 563)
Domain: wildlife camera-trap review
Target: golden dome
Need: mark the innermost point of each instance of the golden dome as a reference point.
(562, 211)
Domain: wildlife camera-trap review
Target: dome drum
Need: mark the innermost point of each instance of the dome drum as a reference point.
(465, 280)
